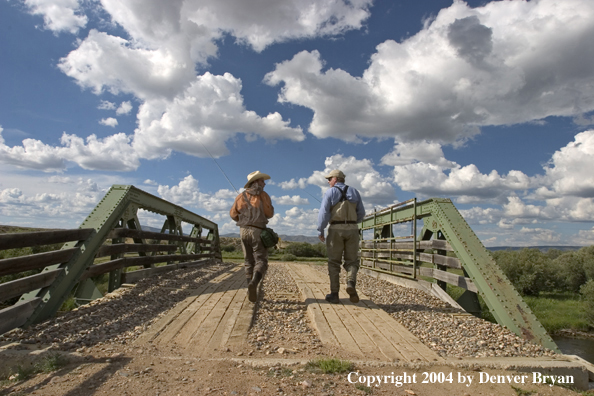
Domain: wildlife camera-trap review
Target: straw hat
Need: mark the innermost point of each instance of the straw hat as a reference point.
(335, 173)
(255, 176)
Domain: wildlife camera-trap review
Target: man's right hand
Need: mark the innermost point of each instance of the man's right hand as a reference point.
(321, 238)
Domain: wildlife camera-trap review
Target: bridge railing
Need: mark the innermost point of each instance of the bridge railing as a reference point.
(27, 272)
(446, 251)
(109, 241)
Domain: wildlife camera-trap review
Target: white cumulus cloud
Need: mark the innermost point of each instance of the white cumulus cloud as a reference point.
(125, 108)
(188, 194)
(110, 153)
(59, 15)
(290, 200)
(467, 68)
(112, 122)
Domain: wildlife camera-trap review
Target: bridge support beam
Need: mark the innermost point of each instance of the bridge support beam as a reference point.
(481, 274)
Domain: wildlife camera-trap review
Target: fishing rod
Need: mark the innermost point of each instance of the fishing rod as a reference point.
(311, 195)
(221, 169)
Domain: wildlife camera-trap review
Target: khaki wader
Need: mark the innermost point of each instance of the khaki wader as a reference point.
(342, 242)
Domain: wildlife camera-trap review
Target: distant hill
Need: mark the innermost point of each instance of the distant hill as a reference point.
(287, 238)
(543, 249)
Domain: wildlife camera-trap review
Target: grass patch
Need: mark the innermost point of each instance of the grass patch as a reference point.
(48, 364)
(558, 311)
(329, 366)
(363, 388)
(52, 363)
(522, 392)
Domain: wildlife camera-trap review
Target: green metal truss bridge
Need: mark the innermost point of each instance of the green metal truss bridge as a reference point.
(110, 240)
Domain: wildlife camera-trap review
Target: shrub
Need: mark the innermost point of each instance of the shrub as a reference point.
(288, 257)
(588, 254)
(304, 249)
(529, 270)
(227, 248)
(554, 253)
(570, 270)
(329, 366)
(587, 292)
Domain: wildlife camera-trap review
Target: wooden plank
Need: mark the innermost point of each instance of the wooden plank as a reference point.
(436, 244)
(108, 266)
(451, 262)
(38, 238)
(314, 309)
(193, 312)
(347, 322)
(227, 324)
(121, 248)
(16, 315)
(157, 328)
(135, 276)
(408, 270)
(243, 323)
(369, 339)
(21, 286)
(196, 317)
(409, 345)
(15, 265)
(131, 233)
(402, 344)
(312, 276)
(206, 333)
(383, 344)
(336, 325)
(450, 278)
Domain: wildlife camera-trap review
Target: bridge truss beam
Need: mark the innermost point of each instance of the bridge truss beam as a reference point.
(117, 210)
(447, 230)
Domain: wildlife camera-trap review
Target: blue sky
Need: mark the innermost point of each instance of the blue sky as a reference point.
(490, 104)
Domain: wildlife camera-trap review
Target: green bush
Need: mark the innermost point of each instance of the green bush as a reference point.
(304, 249)
(587, 292)
(554, 253)
(588, 254)
(288, 257)
(571, 271)
(329, 366)
(227, 248)
(529, 270)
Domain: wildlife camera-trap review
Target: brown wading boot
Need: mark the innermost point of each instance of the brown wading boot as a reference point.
(253, 287)
(333, 298)
(352, 292)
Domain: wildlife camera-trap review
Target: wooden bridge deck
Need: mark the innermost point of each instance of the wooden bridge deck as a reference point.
(212, 316)
(218, 314)
(363, 328)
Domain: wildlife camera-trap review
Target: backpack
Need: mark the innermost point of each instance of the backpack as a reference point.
(269, 237)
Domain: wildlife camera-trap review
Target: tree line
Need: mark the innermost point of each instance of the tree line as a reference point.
(532, 272)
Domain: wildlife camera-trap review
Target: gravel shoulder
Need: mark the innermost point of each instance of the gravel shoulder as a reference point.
(99, 339)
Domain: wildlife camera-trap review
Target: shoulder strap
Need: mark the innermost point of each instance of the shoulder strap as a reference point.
(246, 199)
(343, 192)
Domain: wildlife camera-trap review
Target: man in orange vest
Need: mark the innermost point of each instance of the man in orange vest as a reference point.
(251, 210)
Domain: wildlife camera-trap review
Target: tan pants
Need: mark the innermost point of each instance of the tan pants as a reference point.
(342, 242)
(254, 252)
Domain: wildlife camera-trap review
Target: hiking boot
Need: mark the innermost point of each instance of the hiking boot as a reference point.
(253, 287)
(333, 298)
(352, 292)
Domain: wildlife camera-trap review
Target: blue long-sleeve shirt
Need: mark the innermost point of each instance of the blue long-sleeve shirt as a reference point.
(332, 197)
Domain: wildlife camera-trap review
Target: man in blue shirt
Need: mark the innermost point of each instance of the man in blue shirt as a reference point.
(342, 209)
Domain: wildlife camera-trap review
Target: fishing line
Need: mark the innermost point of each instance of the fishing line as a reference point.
(221, 169)
(311, 195)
